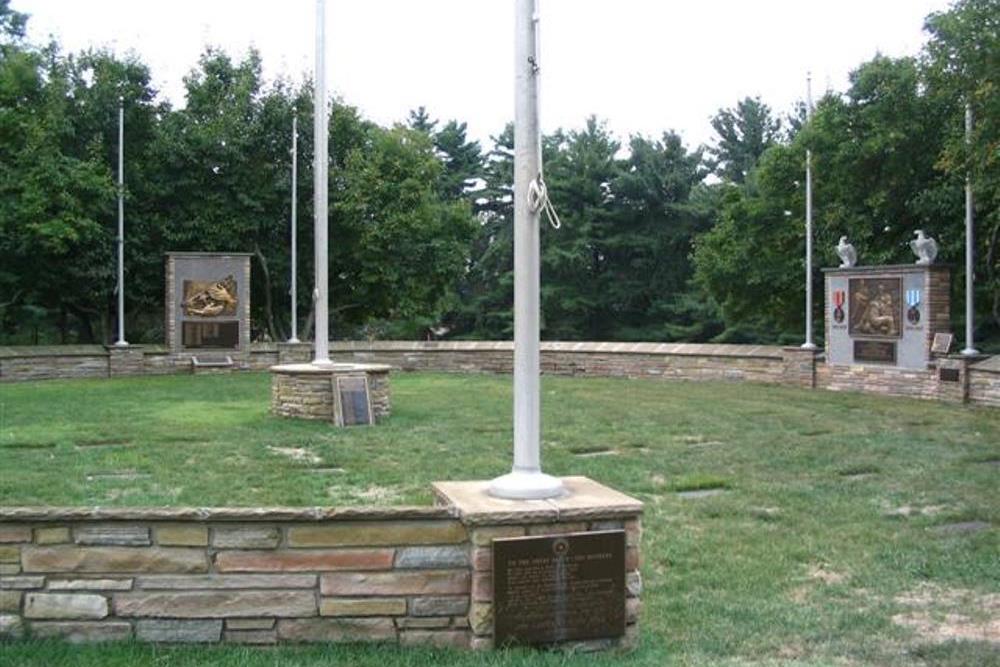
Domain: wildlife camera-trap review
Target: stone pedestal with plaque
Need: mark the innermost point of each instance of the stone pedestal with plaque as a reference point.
(886, 315)
(560, 572)
(342, 394)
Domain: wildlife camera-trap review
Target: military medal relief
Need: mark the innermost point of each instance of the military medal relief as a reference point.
(558, 588)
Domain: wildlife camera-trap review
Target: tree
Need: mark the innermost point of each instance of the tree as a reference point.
(745, 132)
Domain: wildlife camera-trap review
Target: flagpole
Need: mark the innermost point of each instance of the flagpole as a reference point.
(809, 344)
(970, 311)
(526, 479)
(121, 342)
(321, 152)
(295, 203)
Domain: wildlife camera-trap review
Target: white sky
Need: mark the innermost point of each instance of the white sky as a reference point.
(643, 65)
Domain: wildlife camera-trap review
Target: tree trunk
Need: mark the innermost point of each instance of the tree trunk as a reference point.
(307, 327)
(268, 304)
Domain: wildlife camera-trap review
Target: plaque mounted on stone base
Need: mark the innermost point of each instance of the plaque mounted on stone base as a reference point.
(558, 588)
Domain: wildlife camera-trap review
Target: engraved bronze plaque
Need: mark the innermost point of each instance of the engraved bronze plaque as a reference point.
(211, 335)
(875, 351)
(555, 588)
(942, 343)
(353, 401)
(210, 299)
(949, 375)
(876, 307)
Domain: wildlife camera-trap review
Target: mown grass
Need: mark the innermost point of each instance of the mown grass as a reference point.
(828, 542)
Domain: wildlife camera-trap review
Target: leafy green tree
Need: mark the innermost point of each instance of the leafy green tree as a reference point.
(745, 132)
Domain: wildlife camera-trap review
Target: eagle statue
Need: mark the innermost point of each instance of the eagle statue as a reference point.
(924, 247)
(848, 255)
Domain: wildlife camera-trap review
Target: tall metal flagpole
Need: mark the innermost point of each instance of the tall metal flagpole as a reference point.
(526, 480)
(970, 236)
(321, 150)
(809, 344)
(295, 205)
(121, 342)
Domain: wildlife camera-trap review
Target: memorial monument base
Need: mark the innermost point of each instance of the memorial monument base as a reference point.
(343, 394)
(557, 572)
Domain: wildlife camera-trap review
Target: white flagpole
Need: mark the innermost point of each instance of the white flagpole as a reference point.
(809, 344)
(526, 480)
(121, 342)
(295, 205)
(321, 149)
(970, 243)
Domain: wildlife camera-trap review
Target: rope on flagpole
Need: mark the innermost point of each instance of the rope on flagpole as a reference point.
(538, 200)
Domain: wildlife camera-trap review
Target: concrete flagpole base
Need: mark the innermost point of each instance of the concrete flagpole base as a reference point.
(526, 485)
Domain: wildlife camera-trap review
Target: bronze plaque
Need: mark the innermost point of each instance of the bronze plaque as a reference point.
(942, 343)
(354, 402)
(876, 307)
(212, 335)
(949, 375)
(210, 299)
(557, 588)
(875, 351)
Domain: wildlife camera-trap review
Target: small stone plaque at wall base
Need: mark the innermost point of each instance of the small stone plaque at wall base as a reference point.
(949, 375)
(353, 402)
(558, 588)
(875, 351)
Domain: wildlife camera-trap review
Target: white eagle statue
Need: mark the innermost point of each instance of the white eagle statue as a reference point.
(924, 247)
(848, 255)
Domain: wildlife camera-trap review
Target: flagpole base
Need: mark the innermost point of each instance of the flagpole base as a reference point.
(122, 343)
(808, 346)
(970, 352)
(521, 485)
(293, 340)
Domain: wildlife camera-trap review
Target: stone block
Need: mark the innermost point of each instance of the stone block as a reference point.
(481, 643)
(481, 618)
(632, 608)
(336, 629)
(483, 537)
(181, 535)
(226, 581)
(21, 583)
(304, 561)
(482, 586)
(613, 524)
(362, 606)
(435, 638)
(245, 537)
(82, 632)
(557, 528)
(429, 623)
(432, 558)
(377, 533)
(633, 532)
(11, 627)
(10, 601)
(632, 559)
(482, 559)
(216, 604)
(10, 568)
(414, 582)
(114, 559)
(252, 637)
(52, 535)
(13, 534)
(10, 554)
(178, 632)
(112, 535)
(90, 584)
(65, 605)
(249, 623)
(439, 606)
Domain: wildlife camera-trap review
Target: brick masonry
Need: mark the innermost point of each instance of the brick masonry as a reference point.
(265, 576)
(665, 361)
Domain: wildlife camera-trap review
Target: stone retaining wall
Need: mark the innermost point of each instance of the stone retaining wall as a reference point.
(736, 363)
(417, 575)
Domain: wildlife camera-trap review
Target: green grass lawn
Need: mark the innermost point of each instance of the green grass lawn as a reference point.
(824, 532)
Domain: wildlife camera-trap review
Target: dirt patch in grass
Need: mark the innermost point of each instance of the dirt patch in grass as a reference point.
(905, 511)
(821, 572)
(377, 495)
(938, 614)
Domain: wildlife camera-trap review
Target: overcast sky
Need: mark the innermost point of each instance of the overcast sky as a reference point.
(643, 65)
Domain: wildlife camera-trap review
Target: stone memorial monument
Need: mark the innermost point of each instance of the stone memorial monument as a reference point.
(208, 308)
(887, 315)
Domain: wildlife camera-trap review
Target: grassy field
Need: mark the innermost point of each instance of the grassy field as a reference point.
(782, 527)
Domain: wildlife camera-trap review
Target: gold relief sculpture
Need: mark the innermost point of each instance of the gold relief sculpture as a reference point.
(875, 307)
(210, 299)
